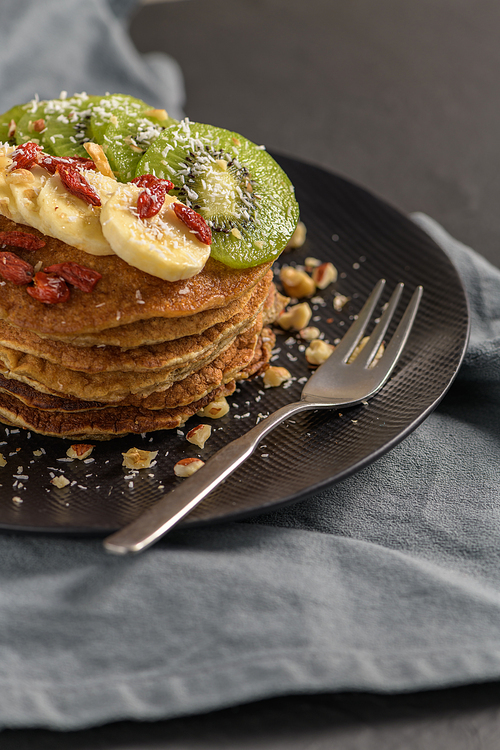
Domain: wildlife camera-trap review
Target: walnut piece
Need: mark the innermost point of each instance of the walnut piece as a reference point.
(215, 409)
(309, 333)
(60, 482)
(296, 283)
(135, 458)
(275, 376)
(339, 301)
(187, 466)
(324, 275)
(318, 352)
(199, 435)
(80, 450)
(298, 237)
(360, 346)
(296, 317)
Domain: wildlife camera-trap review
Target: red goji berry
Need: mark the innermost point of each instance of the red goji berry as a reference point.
(50, 163)
(75, 274)
(21, 239)
(146, 180)
(194, 222)
(49, 288)
(26, 155)
(152, 198)
(15, 269)
(76, 184)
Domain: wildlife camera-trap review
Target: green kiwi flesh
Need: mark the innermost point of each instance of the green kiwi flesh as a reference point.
(67, 125)
(12, 115)
(239, 189)
(127, 138)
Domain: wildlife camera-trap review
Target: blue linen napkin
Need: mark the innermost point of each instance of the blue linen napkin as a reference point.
(388, 581)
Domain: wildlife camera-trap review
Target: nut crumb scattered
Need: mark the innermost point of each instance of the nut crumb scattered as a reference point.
(318, 352)
(215, 409)
(135, 458)
(296, 317)
(297, 283)
(324, 274)
(339, 301)
(3, 462)
(59, 481)
(199, 435)
(187, 466)
(298, 237)
(310, 333)
(80, 451)
(275, 376)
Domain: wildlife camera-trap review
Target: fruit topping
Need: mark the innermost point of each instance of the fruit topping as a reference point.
(49, 288)
(242, 193)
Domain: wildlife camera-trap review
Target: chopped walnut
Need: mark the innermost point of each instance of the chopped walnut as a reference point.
(215, 409)
(199, 435)
(187, 466)
(309, 333)
(311, 263)
(3, 462)
(298, 237)
(135, 458)
(339, 301)
(59, 481)
(324, 275)
(318, 352)
(296, 317)
(275, 376)
(296, 283)
(360, 346)
(80, 451)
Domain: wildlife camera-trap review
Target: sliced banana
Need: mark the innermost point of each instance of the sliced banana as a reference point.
(72, 220)
(162, 246)
(8, 206)
(25, 186)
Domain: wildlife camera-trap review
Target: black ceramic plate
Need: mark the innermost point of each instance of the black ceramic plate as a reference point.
(366, 240)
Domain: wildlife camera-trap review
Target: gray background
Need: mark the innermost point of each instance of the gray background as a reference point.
(401, 97)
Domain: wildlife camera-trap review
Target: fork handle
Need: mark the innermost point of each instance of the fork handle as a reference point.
(167, 512)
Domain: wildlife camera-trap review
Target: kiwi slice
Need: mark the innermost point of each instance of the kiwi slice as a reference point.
(64, 124)
(238, 188)
(128, 137)
(67, 125)
(33, 112)
(12, 115)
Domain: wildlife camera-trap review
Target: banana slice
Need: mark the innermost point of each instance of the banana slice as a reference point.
(8, 206)
(71, 219)
(162, 246)
(25, 186)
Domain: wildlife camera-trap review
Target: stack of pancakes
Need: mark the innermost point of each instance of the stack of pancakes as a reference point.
(137, 353)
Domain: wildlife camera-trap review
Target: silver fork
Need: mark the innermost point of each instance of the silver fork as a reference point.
(335, 383)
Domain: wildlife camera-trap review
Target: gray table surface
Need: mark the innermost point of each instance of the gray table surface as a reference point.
(401, 97)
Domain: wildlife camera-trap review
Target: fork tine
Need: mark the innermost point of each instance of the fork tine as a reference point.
(371, 347)
(400, 336)
(351, 339)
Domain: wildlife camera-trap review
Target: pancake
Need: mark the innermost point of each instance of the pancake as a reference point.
(157, 330)
(15, 342)
(123, 295)
(107, 422)
(245, 358)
